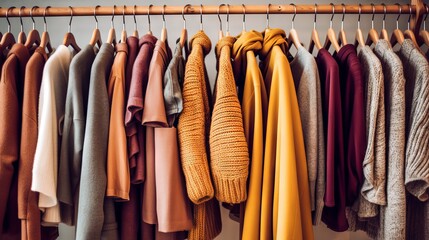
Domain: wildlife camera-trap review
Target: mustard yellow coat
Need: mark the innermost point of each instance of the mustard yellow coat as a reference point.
(285, 205)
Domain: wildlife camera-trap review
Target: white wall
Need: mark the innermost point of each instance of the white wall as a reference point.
(82, 28)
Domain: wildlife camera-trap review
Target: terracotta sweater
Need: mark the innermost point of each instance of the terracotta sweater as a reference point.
(229, 168)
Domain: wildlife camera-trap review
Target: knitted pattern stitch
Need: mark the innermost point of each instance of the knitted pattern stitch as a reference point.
(229, 167)
(193, 126)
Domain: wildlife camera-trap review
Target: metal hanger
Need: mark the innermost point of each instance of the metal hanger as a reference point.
(359, 36)
(397, 35)
(383, 33)
(136, 32)
(8, 39)
(33, 35)
(148, 19)
(408, 33)
(424, 34)
(45, 42)
(315, 40)
(21, 36)
(111, 37)
(267, 27)
(330, 35)
(244, 19)
(220, 21)
(342, 37)
(69, 39)
(372, 33)
(164, 28)
(96, 35)
(227, 20)
(184, 34)
(124, 31)
(293, 35)
(201, 17)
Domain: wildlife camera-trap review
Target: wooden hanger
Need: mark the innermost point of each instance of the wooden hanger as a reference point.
(342, 38)
(96, 35)
(397, 35)
(293, 35)
(408, 33)
(124, 31)
(424, 34)
(372, 33)
(330, 35)
(21, 36)
(7, 40)
(69, 39)
(164, 28)
(148, 19)
(183, 41)
(359, 36)
(136, 32)
(33, 36)
(111, 36)
(45, 42)
(315, 40)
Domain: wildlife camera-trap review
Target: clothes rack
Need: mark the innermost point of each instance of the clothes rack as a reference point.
(417, 10)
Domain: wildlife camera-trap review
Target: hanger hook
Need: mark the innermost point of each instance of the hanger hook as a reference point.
(373, 15)
(134, 16)
(360, 10)
(244, 16)
(45, 25)
(95, 16)
(268, 15)
(123, 18)
(315, 16)
(163, 16)
(201, 17)
(183, 14)
(409, 16)
(71, 18)
(20, 18)
(399, 15)
(227, 18)
(344, 13)
(31, 15)
(294, 14)
(218, 16)
(384, 15)
(333, 14)
(7, 18)
(113, 16)
(148, 17)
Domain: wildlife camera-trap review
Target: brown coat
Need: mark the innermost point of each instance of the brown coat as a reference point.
(28, 209)
(12, 79)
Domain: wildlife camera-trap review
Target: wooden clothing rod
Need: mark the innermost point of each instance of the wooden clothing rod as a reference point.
(195, 9)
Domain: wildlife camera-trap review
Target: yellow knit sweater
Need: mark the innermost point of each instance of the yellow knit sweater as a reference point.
(229, 156)
(193, 126)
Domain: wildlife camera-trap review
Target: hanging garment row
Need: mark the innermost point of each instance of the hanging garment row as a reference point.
(125, 140)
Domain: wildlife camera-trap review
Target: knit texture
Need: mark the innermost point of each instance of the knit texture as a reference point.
(308, 92)
(392, 216)
(207, 221)
(193, 126)
(229, 168)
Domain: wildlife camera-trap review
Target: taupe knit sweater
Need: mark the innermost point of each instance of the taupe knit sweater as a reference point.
(416, 69)
(392, 222)
(307, 85)
(373, 192)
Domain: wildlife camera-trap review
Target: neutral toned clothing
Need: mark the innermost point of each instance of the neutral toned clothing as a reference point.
(373, 192)
(118, 170)
(51, 121)
(28, 209)
(133, 51)
(254, 112)
(416, 71)
(286, 208)
(73, 133)
(11, 90)
(229, 169)
(334, 214)
(193, 126)
(96, 214)
(392, 223)
(353, 110)
(308, 92)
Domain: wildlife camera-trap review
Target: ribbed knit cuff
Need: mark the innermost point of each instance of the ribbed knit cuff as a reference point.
(230, 190)
(198, 183)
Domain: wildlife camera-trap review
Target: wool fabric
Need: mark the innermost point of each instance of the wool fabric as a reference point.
(229, 168)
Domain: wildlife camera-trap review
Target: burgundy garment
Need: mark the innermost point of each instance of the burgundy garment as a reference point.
(353, 111)
(334, 214)
(133, 49)
(133, 116)
(130, 215)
